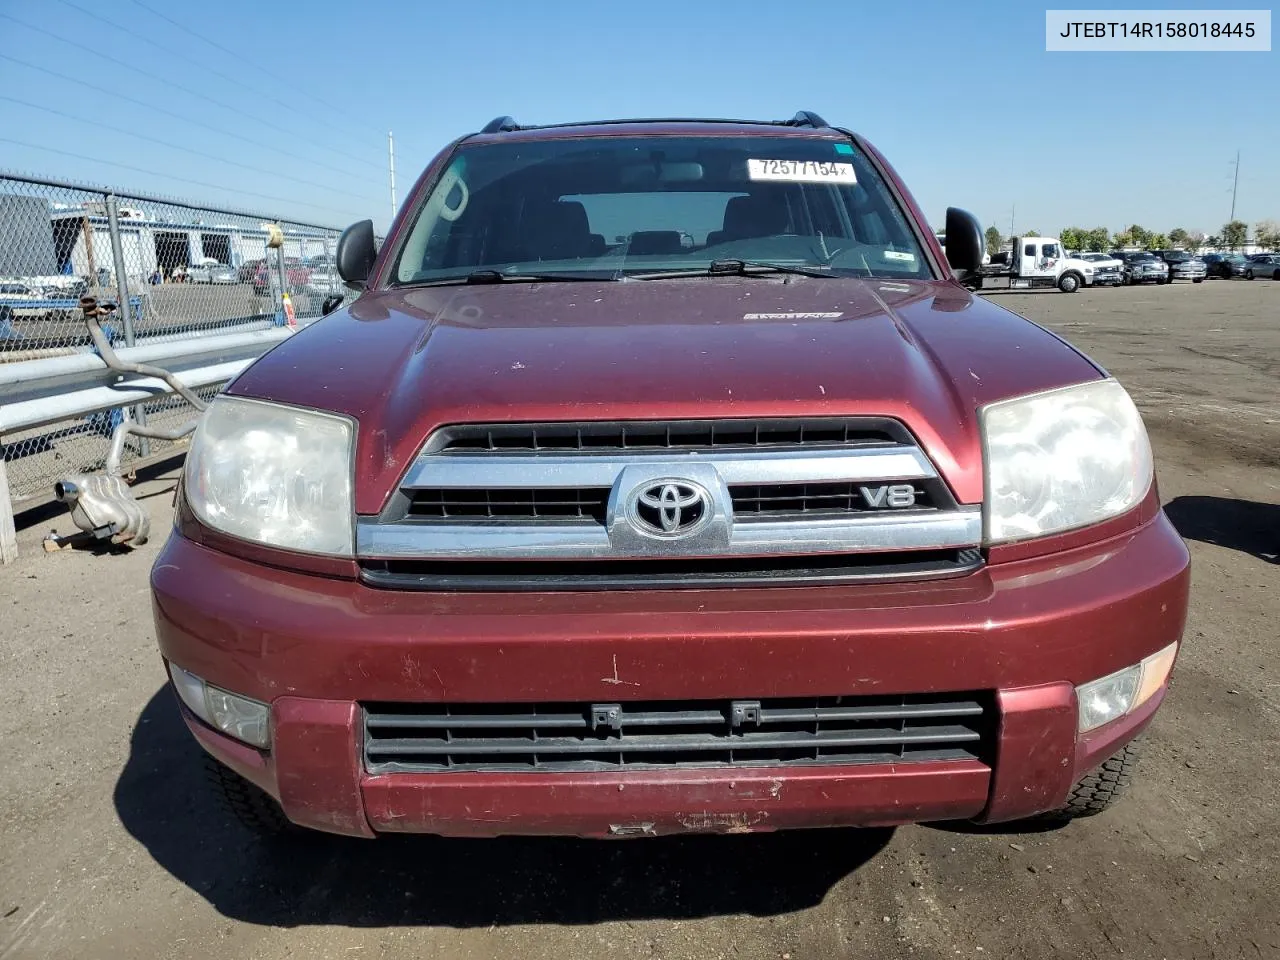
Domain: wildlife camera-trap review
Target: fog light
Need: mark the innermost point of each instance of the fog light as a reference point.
(236, 716)
(1101, 701)
(1104, 700)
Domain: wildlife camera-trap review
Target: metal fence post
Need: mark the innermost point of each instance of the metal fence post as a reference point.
(8, 532)
(122, 293)
(284, 289)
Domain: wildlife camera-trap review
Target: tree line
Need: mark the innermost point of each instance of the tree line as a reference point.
(1266, 234)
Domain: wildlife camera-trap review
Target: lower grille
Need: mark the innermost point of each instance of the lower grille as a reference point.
(663, 734)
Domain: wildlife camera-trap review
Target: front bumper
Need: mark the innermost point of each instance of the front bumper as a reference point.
(316, 648)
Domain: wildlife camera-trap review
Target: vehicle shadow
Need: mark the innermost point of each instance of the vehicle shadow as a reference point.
(1243, 525)
(162, 801)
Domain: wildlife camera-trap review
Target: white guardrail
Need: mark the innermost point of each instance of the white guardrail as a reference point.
(43, 391)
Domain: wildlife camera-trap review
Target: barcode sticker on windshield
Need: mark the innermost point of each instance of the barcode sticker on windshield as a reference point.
(801, 171)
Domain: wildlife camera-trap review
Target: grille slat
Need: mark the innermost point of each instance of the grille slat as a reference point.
(514, 504)
(400, 737)
(643, 435)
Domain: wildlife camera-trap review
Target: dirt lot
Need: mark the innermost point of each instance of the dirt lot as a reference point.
(109, 846)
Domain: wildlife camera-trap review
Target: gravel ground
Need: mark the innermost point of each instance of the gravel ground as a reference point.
(110, 847)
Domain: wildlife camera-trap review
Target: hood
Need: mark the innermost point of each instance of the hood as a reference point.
(404, 362)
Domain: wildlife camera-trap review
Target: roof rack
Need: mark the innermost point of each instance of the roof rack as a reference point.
(804, 118)
(500, 125)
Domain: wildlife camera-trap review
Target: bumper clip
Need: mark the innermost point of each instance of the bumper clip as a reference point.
(744, 712)
(606, 716)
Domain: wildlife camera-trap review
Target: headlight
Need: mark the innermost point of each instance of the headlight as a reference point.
(274, 475)
(234, 715)
(1064, 459)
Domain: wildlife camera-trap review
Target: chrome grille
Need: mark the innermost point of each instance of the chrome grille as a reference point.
(856, 495)
(568, 737)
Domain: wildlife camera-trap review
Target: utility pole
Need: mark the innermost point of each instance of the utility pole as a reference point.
(1012, 210)
(391, 169)
(1235, 182)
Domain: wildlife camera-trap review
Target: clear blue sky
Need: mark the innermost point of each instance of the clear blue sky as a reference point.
(961, 97)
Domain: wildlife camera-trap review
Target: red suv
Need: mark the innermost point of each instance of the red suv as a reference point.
(296, 275)
(666, 478)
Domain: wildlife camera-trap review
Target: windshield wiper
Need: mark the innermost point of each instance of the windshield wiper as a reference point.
(739, 268)
(497, 276)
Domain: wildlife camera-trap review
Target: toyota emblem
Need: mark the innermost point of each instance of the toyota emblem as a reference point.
(671, 508)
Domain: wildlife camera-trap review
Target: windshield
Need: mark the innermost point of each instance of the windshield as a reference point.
(629, 205)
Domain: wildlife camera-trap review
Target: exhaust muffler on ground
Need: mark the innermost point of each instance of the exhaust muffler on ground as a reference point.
(102, 504)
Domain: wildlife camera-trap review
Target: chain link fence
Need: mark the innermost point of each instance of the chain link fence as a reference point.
(185, 271)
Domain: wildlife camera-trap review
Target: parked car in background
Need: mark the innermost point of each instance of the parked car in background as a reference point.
(1183, 265)
(1107, 269)
(210, 270)
(297, 276)
(1225, 265)
(1263, 266)
(249, 270)
(58, 286)
(324, 275)
(1144, 267)
(14, 292)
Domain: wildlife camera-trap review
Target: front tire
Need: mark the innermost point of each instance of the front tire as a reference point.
(1198, 280)
(1069, 283)
(1248, 274)
(1099, 789)
(247, 803)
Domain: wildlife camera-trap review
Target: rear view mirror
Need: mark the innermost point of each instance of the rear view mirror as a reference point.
(964, 242)
(661, 172)
(356, 254)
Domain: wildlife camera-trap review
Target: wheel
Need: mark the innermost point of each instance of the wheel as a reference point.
(1069, 283)
(1248, 274)
(1198, 280)
(1276, 275)
(1100, 788)
(256, 811)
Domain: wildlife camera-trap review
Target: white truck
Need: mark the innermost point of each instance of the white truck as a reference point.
(1043, 262)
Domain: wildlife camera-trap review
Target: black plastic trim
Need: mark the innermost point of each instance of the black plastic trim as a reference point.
(684, 574)
(807, 118)
(591, 436)
(624, 735)
(500, 125)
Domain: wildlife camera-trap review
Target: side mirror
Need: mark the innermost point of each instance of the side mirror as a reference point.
(356, 253)
(965, 243)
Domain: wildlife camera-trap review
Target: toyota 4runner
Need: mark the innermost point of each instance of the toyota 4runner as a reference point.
(664, 477)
